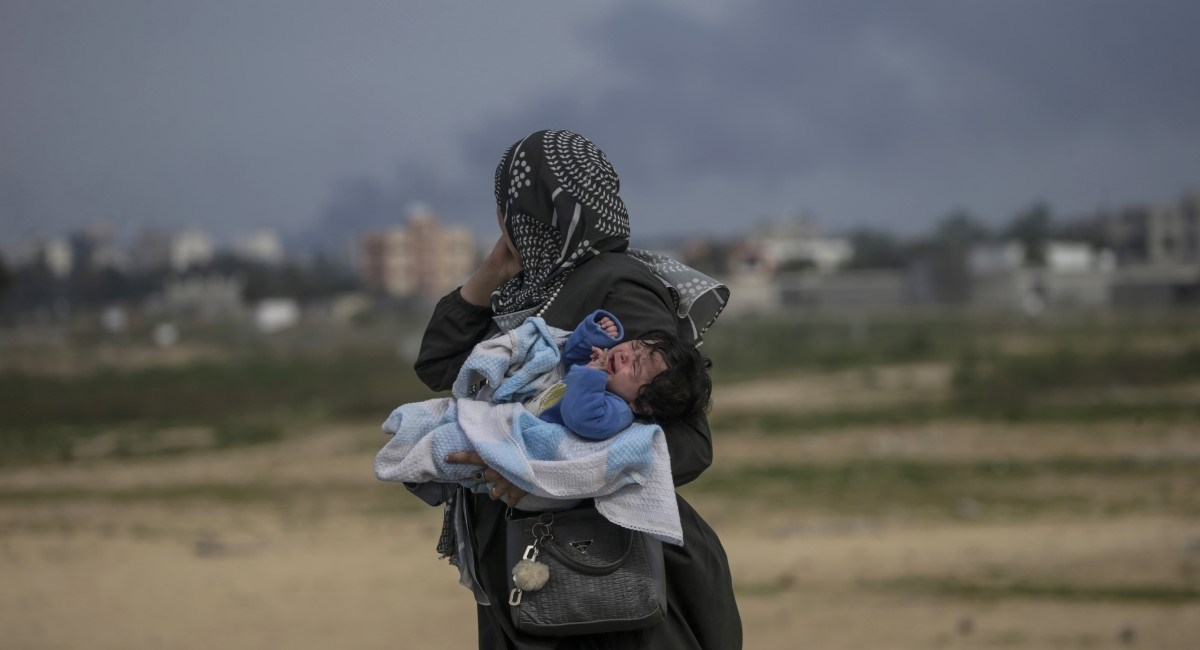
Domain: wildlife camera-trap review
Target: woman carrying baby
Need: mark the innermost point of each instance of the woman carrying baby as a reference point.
(562, 253)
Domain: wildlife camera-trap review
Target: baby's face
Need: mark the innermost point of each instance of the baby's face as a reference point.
(630, 366)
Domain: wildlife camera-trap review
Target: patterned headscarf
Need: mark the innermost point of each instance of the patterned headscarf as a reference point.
(559, 197)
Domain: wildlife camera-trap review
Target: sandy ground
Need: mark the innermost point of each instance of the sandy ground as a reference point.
(207, 577)
(294, 544)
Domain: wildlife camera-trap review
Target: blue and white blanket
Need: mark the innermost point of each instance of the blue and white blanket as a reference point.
(628, 475)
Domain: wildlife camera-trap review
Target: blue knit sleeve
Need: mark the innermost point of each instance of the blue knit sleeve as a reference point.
(590, 411)
(578, 348)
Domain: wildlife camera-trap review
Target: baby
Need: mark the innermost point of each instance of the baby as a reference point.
(610, 383)
(545, 415)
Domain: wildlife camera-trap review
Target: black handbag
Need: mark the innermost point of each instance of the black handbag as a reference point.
(602, 577)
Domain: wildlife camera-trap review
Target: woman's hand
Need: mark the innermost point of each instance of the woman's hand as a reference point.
(500, 265)
(502, 488)
(503, 256)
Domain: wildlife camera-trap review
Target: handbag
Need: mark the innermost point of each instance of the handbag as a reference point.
(601, 577)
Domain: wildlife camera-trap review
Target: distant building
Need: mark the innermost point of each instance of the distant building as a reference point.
(791, 245)
(988, 259)
(199, 297)
(276, 314)
(756, 293)
(94, 248)
(151, 251)
(54, 255)
(1161, 285)
(1158, 236)
(263, 247)
(1174, 232)
(1158, 250)
(190, 248)
(155, 250)
(425, 258)
(1072, 276)
(845, 290)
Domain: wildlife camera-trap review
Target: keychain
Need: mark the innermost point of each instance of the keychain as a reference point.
(529, 574)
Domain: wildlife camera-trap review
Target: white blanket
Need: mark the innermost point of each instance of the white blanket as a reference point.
(628, 475)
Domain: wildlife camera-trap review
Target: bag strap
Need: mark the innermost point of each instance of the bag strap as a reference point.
(563, 556)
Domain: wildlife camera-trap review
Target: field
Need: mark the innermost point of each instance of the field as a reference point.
(925, 481)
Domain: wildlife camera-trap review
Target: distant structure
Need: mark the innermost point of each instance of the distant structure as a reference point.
(276, 314)
(54, 255)
(208, 298)
(425, 258)
(1165, 235)
(796, 244)
(1158, 250)
(789, 264)
(151, 251)
(94, 248)
(155, 250)
(1072, 276)
(190, 248)
(263, 247)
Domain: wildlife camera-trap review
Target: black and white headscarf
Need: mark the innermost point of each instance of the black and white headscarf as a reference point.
(559, 196)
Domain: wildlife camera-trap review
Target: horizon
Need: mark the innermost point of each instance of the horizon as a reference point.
(315, 120)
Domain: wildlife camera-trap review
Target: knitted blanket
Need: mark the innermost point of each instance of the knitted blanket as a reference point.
(628, 475)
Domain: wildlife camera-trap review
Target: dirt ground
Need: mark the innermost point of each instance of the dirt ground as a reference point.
(364, 583)
(294, 544)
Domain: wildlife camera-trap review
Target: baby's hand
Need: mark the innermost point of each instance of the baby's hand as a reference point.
(608, 326)
(599, 359)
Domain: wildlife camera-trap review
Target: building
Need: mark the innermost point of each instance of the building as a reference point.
(94, 248)
(1174, 232)
(1072, 276)
(1158, 250)
(151, 251)
(55, 255)
(262, 247)
(1158, 236)
(1156, 286)
(424, 258)
(845, 291)
(276, 314)
(155, 250)
(190, 248)
(208, 298)
(791, 245)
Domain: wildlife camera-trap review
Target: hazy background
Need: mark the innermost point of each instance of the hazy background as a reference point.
(320, 118)
(1009, 457)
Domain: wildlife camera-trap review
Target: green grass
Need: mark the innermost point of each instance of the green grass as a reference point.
(274, 384)
(343, 386)
(250, 402)
(751, 347)
(1015, 381)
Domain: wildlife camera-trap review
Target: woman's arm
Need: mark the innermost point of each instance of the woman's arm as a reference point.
(453, 330)
(462, 318)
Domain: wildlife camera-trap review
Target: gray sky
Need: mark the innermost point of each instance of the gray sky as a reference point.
(325, 117)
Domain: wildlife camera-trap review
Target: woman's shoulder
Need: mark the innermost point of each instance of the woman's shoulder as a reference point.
(623, 286)
(610, 267)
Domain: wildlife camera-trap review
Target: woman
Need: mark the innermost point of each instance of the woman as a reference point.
(562, 254)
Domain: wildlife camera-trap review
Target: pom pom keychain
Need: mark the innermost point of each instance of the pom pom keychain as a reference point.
(530, 575)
